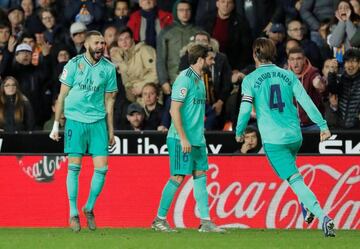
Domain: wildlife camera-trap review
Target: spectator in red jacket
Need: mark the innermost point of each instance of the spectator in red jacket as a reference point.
(311, 80)
(147, 22)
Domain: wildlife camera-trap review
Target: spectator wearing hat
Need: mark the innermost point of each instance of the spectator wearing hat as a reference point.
(135, 62)
(32, 80)
(136, 116)
(77, 35)
(147, 22)
(16, 18)
(277, 34)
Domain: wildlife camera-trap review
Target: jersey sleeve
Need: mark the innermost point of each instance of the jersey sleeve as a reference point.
(180, 89)
(245, 107)
(308, 105)
(68, 74)
(111, 85)
(246, 89)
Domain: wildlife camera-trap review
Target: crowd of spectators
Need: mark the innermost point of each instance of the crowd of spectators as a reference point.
(148, 40)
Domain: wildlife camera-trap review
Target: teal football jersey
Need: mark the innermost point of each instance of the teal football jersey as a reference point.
(273, 91)
(189, 89)
(89, 83)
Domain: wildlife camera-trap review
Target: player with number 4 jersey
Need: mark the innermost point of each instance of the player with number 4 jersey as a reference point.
(273, 91)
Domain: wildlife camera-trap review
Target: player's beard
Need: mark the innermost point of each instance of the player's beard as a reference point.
(96, 54)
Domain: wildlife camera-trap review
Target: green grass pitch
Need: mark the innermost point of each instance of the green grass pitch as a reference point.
(109, 238)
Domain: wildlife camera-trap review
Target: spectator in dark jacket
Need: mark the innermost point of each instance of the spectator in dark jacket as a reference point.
(152, 108)
(347, 87)
(32, 81)
(32, 21)
(77, 34)
(231, 31)
(121, 14)
(260, 14)
(16, 113)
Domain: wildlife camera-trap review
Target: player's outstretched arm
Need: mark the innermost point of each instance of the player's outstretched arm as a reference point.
(109, 106)
(59, 108)
(243, 118)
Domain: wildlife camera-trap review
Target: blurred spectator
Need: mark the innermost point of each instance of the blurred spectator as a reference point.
(252, 143)
(16, 18)
(6, 4)
(260, 14)
(89, 12)
(147, 22)
(217, 81)
(54, 32)
(32, 80)
(356, 6)
(136, 117)
(231, 31)
(4, 35)
(331, 102)
(16, 113)
(153, 109)
(311, 80)
(205, 6)
(60, 56)
(167, 5)
(277, 34)
(170, 41)
(120, 106)
(347, 88)
(295, 30)
(135, 62)
(314, 12)
(110, 35)
(32, 21)
(77, 34)
(347, 22)
(49, 124)
(291, 9)
(121, 14)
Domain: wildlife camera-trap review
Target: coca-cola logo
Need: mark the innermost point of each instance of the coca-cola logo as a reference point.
(41, 170)
(238, 204)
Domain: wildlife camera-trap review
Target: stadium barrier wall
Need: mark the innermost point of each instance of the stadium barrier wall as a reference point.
(244, 192)
(154, 143)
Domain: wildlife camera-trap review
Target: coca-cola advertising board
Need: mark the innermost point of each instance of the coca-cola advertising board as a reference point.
(243, 192)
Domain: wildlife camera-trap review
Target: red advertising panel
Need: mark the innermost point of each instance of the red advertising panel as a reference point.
(243, 192)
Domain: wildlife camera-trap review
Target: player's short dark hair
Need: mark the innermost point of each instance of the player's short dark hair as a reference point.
(197, 51)
(264, 49)
(352, 54)
(296, 50)
(92, 33)
(126, 29)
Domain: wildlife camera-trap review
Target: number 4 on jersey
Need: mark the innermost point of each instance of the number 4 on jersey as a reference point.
(275, 98)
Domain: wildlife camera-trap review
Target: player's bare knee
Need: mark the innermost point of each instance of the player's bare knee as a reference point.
(75, 159)
(178, 178)
(199, 173)
(100, 161)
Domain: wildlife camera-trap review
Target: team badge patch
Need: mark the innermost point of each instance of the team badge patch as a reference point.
(64, 74)
(183, 92)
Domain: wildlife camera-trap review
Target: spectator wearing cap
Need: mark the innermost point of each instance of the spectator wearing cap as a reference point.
(77, 35)
(136, 63)
(277, 34)
(136, 117)
(16, 18)
(147, 22)
(32, 81)
(89, 12)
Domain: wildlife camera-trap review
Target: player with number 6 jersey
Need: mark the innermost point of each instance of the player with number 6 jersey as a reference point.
(273, 91)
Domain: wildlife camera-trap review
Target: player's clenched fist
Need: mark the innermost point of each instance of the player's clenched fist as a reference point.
(54, 134)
